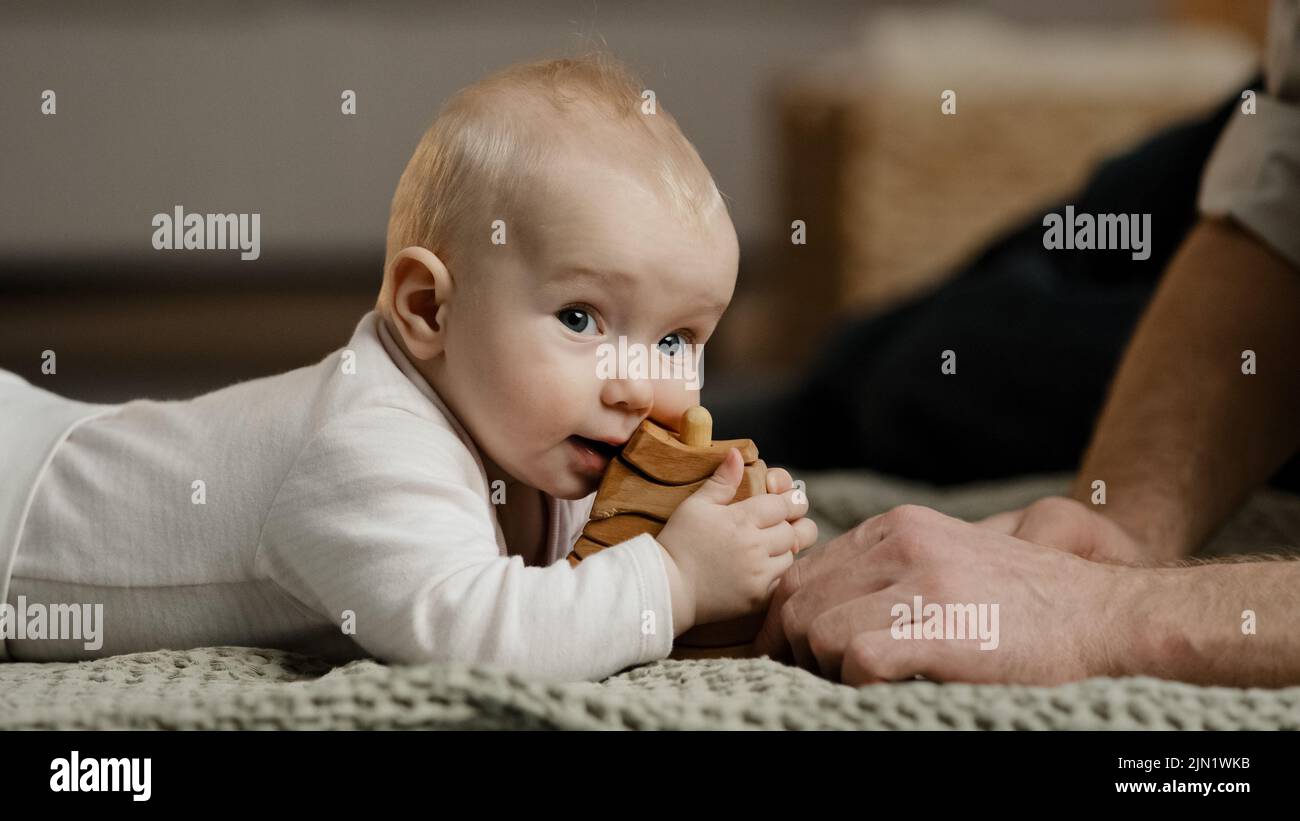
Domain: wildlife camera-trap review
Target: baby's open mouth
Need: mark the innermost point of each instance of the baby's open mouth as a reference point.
(595, 445)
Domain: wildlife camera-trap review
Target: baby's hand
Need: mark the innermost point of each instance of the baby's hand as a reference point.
(727, 558)
(779, 480)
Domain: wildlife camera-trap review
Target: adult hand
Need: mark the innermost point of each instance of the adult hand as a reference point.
(1070, 525)
(1060, 618)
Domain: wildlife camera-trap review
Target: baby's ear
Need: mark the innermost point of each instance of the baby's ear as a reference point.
(420, 288)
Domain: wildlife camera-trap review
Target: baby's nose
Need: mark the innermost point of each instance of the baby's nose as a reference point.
(633, 395)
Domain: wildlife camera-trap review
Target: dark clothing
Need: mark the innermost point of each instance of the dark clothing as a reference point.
(1037, 333)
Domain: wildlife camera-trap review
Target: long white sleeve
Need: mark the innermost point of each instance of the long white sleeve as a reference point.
(381, 516)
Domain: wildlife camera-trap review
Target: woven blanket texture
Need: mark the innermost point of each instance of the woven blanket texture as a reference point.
(241, 688)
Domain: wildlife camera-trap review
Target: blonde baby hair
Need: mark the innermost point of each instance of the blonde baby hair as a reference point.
(489, 140)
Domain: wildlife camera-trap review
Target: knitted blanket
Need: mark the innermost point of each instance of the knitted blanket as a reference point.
(241, 688)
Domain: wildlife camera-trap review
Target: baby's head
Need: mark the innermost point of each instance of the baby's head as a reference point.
(548, 211)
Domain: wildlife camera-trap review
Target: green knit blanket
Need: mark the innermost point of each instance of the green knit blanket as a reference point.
(241, 688)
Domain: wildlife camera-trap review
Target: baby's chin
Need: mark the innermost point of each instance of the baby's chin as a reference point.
(571, 487)
(556, 474)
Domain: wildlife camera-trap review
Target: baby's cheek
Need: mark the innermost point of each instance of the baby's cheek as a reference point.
(672, 398)
(522, 396)
(560, 395)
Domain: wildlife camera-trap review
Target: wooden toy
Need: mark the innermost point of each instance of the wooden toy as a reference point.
(655, 472)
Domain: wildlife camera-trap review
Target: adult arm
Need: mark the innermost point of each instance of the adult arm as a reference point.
(1185, 434)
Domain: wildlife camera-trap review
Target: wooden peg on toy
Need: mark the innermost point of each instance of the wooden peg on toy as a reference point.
(697, 427)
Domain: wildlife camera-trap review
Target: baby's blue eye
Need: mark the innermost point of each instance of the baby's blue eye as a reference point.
(671, 345)
(576, 320)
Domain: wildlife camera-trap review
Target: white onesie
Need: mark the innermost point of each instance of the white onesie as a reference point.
(338, 509)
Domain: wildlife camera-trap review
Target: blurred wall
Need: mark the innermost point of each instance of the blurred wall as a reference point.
(235, 107)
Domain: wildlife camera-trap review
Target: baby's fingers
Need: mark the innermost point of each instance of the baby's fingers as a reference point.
(777, 565)
(790, 537)
(768, 509)
(805, 531)
(780, 538)
(779, 480)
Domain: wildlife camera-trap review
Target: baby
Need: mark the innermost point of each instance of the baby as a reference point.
(411, 496)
